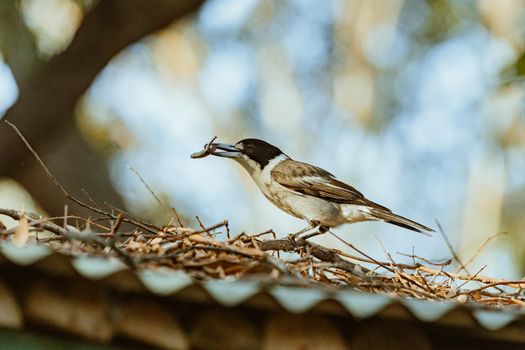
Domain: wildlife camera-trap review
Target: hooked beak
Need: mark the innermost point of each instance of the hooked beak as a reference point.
(230, 151)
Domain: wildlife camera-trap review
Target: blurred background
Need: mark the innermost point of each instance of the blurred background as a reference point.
(418, 104)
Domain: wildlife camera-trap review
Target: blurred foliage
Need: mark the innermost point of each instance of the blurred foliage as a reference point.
(16, 42)
(429, 93)
(514, 72)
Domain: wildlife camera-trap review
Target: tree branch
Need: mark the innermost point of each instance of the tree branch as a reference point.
(45, 108)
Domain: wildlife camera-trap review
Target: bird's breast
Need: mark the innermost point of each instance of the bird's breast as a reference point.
(281, 198)
(305, 207)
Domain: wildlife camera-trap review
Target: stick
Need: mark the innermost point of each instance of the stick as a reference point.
(150, 190)
(66, 193)
(483, 245)
(447, 242)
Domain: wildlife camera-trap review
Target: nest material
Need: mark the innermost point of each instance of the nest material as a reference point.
(141, 245)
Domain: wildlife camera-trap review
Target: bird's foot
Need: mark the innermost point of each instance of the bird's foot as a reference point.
(293, 236)
(321, 230)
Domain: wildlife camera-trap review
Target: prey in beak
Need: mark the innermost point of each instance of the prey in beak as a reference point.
(218, 149)
(225, 150)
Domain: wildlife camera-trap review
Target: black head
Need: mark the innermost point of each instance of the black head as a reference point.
(258, 151)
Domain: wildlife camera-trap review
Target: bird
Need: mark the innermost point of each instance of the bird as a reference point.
(306, 191)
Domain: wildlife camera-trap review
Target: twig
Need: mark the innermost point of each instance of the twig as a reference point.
(481, 247)
(90, 199)
(179, 221)
(150, 190)
(66, 193)
(473, 276)
(383, 265)
(65, 216)
(312, 264)
(435, 263)
(14, 214)
(319, 252)
(447, 242)
(116, 225)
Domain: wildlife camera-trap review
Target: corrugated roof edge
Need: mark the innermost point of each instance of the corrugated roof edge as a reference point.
(231, 292)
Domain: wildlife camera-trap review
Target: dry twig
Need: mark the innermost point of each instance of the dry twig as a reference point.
(200, 254)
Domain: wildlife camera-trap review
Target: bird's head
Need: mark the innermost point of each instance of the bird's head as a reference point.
(252, 154)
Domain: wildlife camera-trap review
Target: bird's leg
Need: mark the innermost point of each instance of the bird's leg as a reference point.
(312, 225)
(293, 236)
(321, 230)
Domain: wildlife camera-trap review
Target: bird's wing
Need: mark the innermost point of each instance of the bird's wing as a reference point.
(313, 181)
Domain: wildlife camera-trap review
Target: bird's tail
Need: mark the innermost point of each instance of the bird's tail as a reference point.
(398, 220)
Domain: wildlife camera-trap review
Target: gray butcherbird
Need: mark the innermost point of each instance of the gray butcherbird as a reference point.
(306, 191)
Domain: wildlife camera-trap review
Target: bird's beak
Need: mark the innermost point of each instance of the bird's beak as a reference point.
(230, 151)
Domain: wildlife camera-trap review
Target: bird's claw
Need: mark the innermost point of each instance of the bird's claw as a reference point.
(293, 236)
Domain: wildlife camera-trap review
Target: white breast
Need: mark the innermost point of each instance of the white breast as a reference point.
(302, 206)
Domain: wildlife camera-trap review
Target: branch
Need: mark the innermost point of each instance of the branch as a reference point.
(319, 252)
(47, 99)
(199, 254)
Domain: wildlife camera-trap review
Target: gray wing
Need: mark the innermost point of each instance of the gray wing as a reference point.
(313, 181)
(310, 180)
